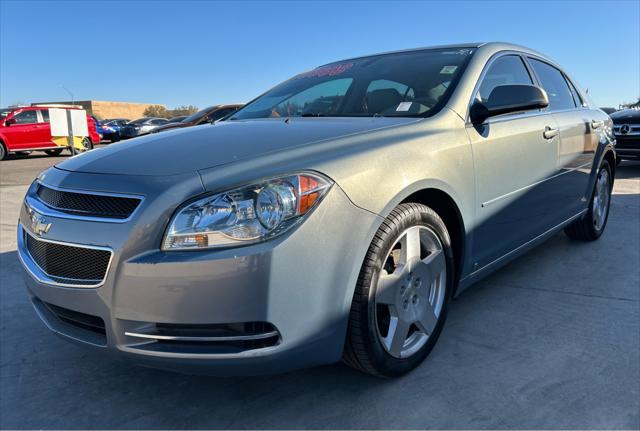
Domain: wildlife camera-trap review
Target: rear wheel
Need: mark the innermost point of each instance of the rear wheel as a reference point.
(401, 297)
(55, 152)
(591, 226)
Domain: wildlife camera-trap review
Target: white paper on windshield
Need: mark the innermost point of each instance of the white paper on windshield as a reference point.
(448, 70)
(404, 106)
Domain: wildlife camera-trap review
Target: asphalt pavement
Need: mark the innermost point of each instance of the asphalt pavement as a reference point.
(550, 341)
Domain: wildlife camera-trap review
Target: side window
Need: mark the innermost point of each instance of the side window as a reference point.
(45, 115)
(504, 71)
(26, 117)
(214, 116)
(554, 84)
(576, 96)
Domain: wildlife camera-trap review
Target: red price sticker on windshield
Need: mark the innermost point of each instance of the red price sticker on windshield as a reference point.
(332, 70)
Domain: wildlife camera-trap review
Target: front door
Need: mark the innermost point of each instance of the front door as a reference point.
(515, 157)
(23, 132)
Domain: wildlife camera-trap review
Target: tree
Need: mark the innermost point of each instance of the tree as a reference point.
(182, 110)
(632, 104)
(156, 111)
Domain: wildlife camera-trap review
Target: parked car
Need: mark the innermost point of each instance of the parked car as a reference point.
(27, 129)
(111, 128)
(204, 116)
(98, 126)
(141, 126)
(333, 217)
(177, 119)
(626, 128)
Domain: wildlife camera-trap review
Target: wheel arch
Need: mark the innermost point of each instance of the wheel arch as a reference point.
(447, 208)
(4, 146)
(610, 157)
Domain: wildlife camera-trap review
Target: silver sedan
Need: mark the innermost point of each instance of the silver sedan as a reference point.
(334, 217)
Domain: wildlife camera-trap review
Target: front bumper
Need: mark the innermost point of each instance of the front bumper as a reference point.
(299, 285)
(628, 147)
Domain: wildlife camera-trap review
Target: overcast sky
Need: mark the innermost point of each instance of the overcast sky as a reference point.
(203, 53)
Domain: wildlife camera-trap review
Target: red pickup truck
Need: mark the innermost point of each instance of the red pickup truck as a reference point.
(27, 129)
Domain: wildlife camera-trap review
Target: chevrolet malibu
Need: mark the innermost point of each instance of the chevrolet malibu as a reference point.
(335, 216)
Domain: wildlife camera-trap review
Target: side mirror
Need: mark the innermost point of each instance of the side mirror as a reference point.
(509, 98)
(10, 121)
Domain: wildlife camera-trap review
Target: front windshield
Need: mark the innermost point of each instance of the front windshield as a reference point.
(406, 84)
(138, 121)
(198, 115)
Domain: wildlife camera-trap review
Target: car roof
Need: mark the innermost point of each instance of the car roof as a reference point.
(495, 46)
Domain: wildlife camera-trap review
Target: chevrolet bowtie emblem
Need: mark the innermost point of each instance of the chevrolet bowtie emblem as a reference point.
(39, 224)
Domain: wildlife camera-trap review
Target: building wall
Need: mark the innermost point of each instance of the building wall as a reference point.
(131, 111)
(105, 109)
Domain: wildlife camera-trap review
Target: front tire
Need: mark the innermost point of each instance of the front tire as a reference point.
(591, 226)
(3, 151)
(402, 294)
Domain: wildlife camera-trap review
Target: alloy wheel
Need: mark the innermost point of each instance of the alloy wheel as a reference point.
(602, 195)
(410, 291)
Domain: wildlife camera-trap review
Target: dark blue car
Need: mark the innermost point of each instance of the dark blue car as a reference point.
(111, 128)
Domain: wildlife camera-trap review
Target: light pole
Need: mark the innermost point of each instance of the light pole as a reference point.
(67, 90)
(70, 139)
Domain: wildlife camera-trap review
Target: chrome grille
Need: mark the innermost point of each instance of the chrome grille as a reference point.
(91, 205)
(69, 265)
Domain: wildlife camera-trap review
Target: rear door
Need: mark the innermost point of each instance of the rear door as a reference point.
(44, 129)
(513, 164)
(578, 138)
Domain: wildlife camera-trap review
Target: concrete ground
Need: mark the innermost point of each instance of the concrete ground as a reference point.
(550, 341)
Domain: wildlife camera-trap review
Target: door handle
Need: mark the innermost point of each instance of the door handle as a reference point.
(595, 124)
(550, 133)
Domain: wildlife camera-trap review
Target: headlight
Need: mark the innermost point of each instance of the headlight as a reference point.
(247, 214)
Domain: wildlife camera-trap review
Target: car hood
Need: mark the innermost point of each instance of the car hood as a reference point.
(173, 126)
(192, 149)
(628, 115)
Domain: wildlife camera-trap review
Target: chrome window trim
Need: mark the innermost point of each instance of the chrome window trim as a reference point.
(48, 210)
(41, 276)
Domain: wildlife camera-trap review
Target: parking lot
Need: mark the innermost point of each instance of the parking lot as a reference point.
(550, 341)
